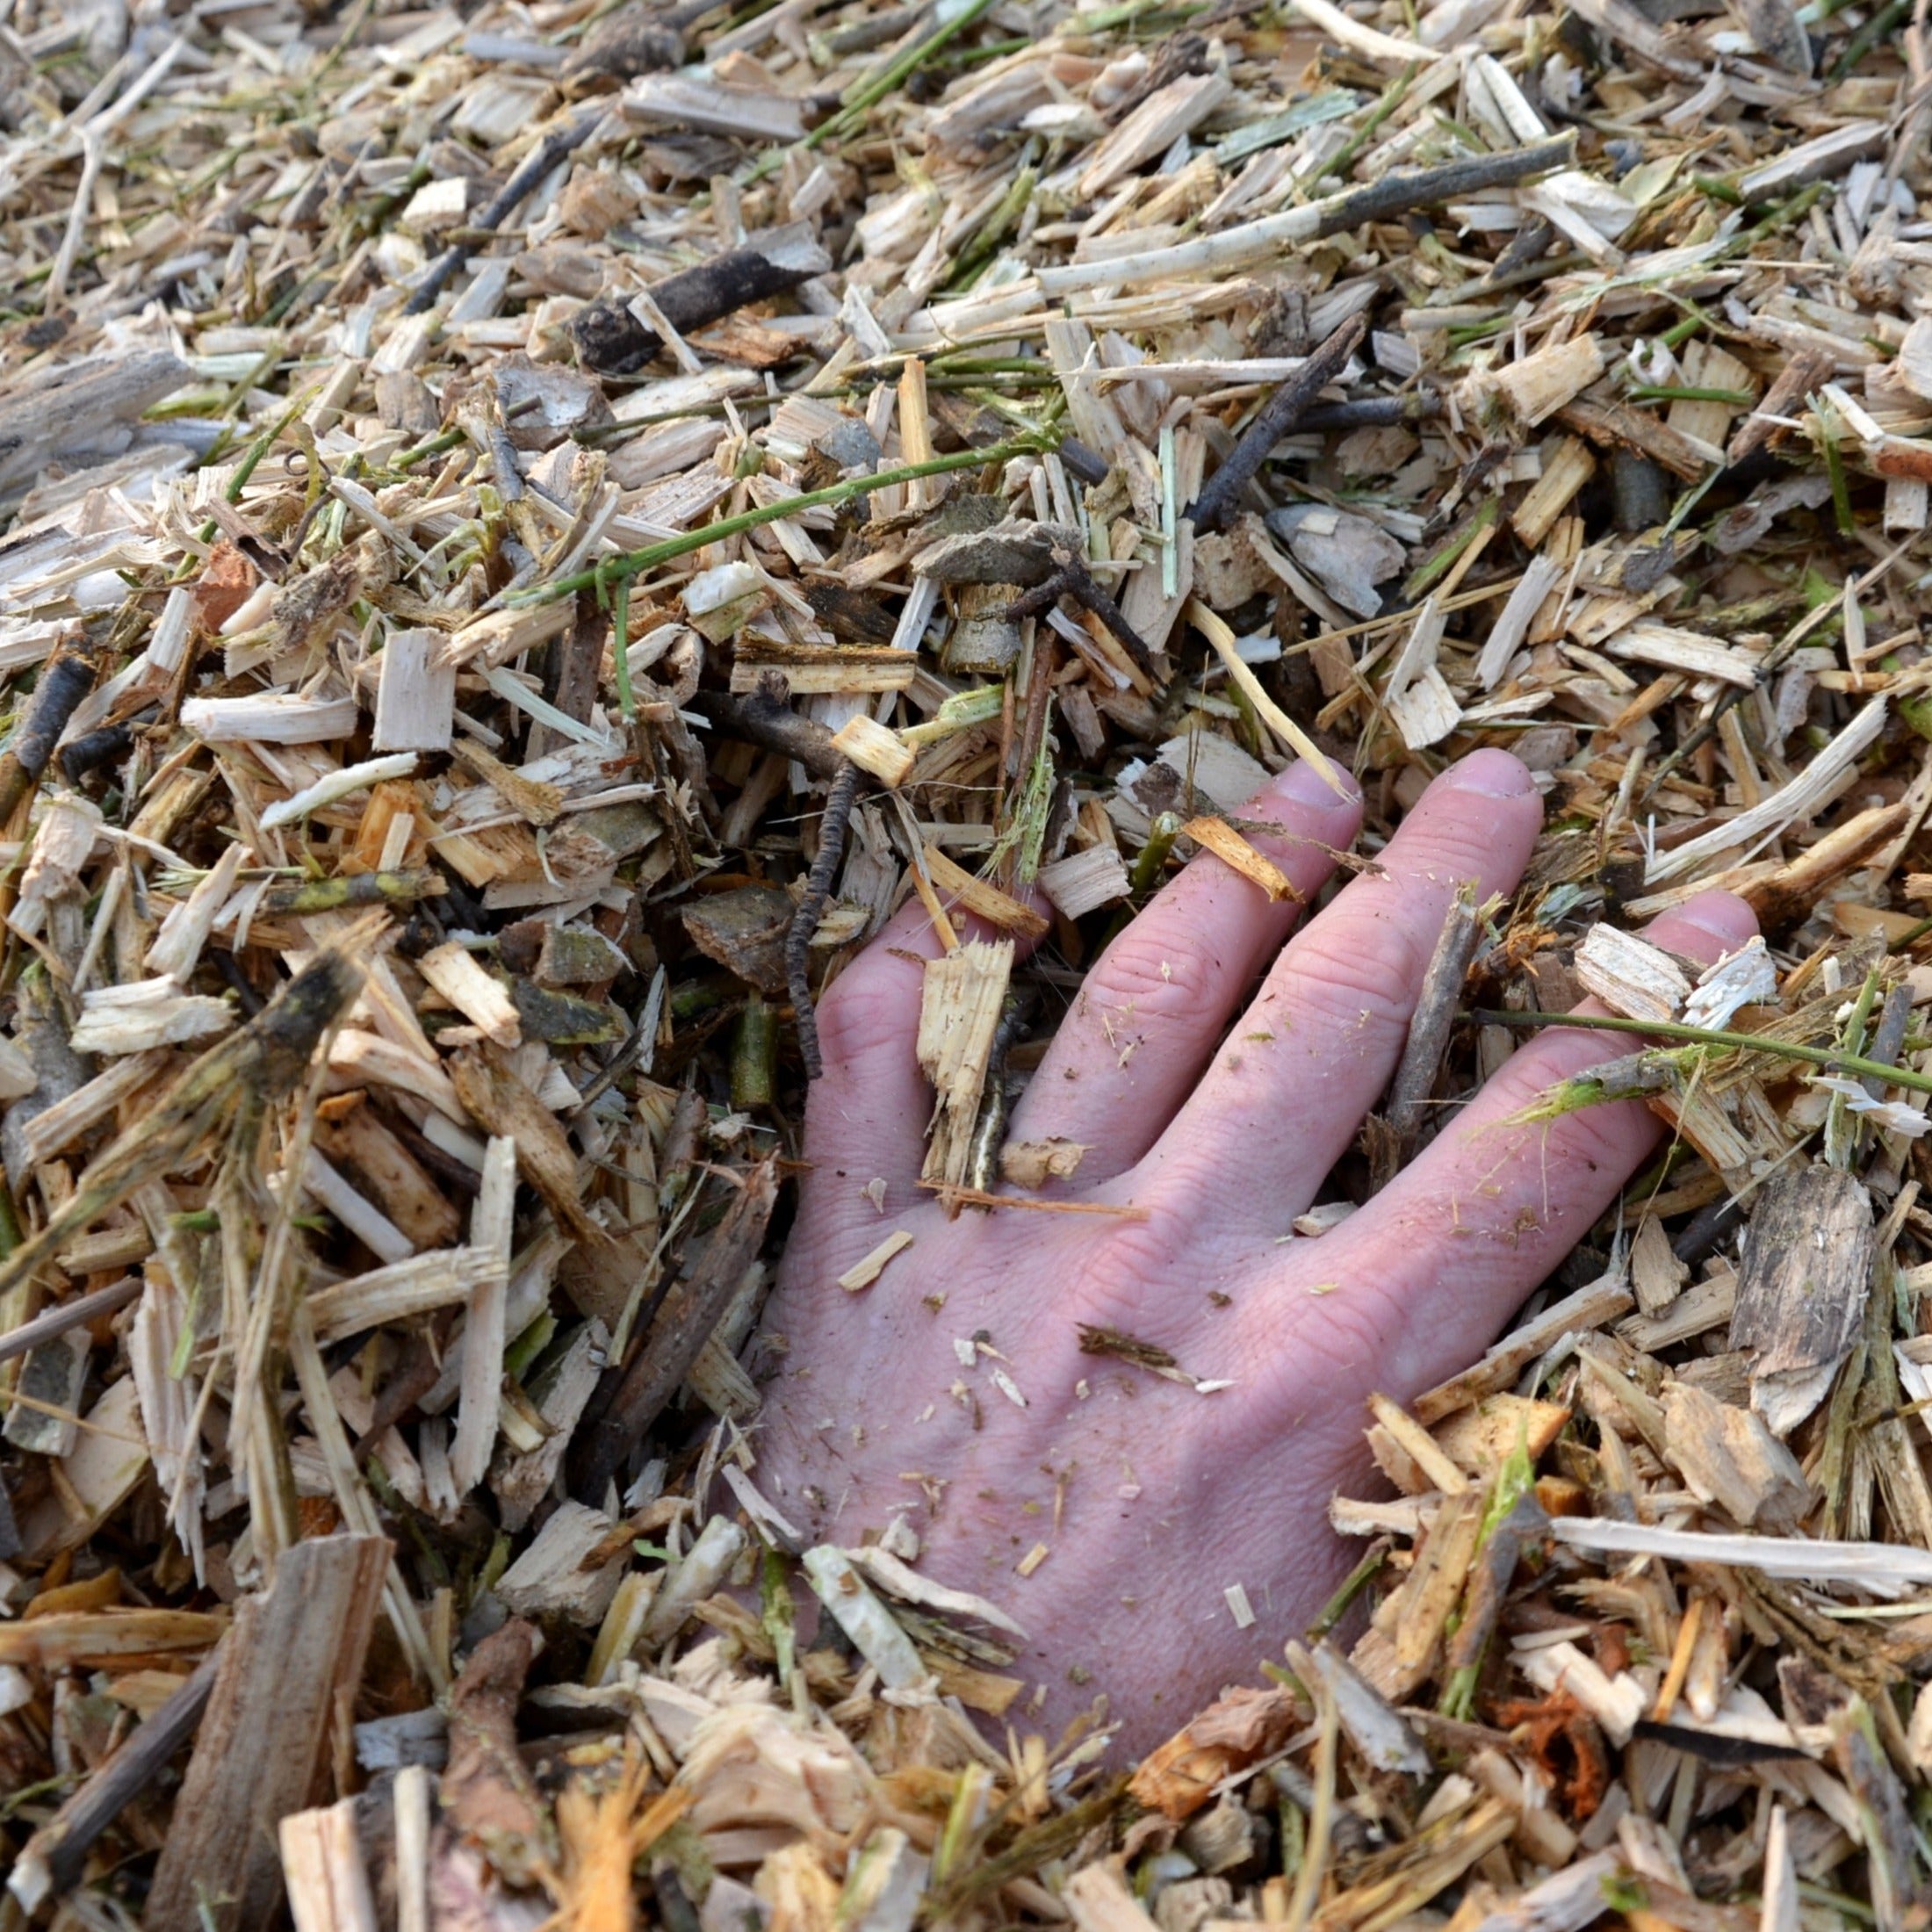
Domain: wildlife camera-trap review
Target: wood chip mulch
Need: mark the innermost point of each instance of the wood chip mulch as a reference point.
(526, 529)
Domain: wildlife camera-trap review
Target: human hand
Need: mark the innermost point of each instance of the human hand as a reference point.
(1150, 1498)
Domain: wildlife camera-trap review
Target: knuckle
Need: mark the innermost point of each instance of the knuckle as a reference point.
(1350, 1335)
(1148, 976)
(1184, 1178)
(1360, 970)
(1332, 1353)
(864, 1012)
(1120, 1265)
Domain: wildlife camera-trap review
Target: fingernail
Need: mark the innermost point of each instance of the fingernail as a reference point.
(1719, 916)
(1491, 773)
(1303, 783)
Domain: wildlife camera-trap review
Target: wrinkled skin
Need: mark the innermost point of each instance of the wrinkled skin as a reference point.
(1151, 1499)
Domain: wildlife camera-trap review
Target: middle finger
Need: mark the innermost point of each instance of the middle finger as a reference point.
(1288, 1089)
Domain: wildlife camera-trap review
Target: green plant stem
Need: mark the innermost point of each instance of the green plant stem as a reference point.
(634, 562)
(266, 441)
(1390, 99)
(1834, 465)
(443, 439)
(1875, 30)
(1350, 1586)
(1719, 190)
(853, 114)
(620, 646)
(1439, 566)
(1739, 399)
(1828, 1057)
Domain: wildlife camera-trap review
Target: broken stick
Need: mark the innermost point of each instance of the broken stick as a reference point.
(612, 341)
(1428, 1040)
(1283, 411)
(663, 1357)
(287, 1677)
(819, 883)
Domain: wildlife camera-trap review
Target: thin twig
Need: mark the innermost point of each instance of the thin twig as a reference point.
(57, 1321)
(1429, 1032)
(1074, 580)
(804, 922)
(1826, 1057)
(1283, 411)
(764, 716)
(534, 166)
(55, 1859)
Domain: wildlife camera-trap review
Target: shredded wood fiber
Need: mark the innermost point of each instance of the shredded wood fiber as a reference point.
(527, 530)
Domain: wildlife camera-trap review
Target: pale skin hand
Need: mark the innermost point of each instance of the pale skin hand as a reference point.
(1215, 1074)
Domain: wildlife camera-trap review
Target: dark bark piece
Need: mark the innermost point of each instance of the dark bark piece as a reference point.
(63, 684)
(1761, 429)
(287, 1674)
(1888, 1039)
(612, 341)
(1178, 57)
(638, 40)
(832, 826)
(853, 616)
(579, 666)
(625, 46)
(1282, 411)
(44, 1030)
(744, 930)
(1811, 1696)
(1777, 34)
(1707, 1226)
(93, 749)
(1489, 1582)
(1081, 462)
(575, 955)
(403, 402)
(1806, 1271)
(1531, 244)
(1640, 494)
(684, 1321)
(1897, 1894)
(1009, 552)
(561, 1020)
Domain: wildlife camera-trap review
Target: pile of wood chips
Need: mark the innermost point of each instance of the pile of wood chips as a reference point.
(525, 529)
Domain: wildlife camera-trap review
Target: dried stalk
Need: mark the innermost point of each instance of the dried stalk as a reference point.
(833, 824)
